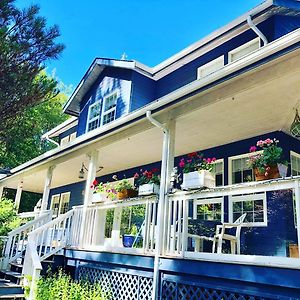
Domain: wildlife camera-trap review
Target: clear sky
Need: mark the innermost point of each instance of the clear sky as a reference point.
(149, 31)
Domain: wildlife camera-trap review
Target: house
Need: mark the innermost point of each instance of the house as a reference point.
(220, 95)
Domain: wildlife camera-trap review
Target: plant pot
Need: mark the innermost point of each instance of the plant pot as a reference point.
(282, 170)
(99, 197)
(128, 240)
(198, 179)
(148, 189)
(273, 173)
(127, 193)
(293, 250)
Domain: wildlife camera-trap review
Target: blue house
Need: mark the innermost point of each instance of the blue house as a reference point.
(237, 239)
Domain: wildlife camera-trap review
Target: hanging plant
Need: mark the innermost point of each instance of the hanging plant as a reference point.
(295, 127)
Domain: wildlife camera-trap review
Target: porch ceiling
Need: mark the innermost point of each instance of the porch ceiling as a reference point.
(254, 103)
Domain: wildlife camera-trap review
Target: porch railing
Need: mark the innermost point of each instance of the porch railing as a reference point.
(15, 244)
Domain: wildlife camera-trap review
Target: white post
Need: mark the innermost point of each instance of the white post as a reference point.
(166, 169)
(47, 187)
(297, 202)
(18, 194)
(115, 233)
(88, 192)
(1, 191)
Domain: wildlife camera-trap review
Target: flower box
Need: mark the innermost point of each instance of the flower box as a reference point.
(272, 173)
(127, 193)
(198, 179)
(148, 189)
(99, 197)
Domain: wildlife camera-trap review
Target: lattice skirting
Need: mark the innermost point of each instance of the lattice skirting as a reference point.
(121, 286)
(172, 290)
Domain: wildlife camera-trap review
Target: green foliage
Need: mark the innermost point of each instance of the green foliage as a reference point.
(144, 177)
(8, 217)
(61, 287)
(123, 184)
(132, 219)
(26, 43)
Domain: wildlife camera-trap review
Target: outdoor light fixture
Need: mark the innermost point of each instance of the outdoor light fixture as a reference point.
(295, 127)
(83, 169)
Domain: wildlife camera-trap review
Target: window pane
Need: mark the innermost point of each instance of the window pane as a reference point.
(110, 102)
(94, 111)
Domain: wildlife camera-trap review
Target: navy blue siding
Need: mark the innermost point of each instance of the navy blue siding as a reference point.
(111, 79)
(143, 91)
(285, 24)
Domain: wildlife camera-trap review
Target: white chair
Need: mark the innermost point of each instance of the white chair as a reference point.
(235, 243)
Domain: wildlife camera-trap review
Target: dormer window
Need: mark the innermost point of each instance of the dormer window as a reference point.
(109, 108)
(210, 67)
(243, 50)
(94, 116)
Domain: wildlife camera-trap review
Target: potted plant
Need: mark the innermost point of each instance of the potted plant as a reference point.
(103, 192)
(197, 171)
(125, 189)
(265, 164)
(147, 182)
(128, 239)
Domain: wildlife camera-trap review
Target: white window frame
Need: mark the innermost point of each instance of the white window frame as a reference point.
(232, 158)
(59, 202)
(249, 197)
(114, 109)
(216, 61)
(95, 118)
(221, 160)
(64, 141)
(73, 136)
(295, 154)
(234, 51)
(200, 201)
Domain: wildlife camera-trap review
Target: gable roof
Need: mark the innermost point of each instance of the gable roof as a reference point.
(259, 13)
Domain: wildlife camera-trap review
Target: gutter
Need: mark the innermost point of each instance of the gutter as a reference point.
(102, 132)
(256, 30)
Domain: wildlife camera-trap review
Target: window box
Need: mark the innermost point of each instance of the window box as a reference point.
(99, 197)
(128, 193)
(148, 189)
(198, 179)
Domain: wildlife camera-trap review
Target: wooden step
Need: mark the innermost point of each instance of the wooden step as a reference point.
(10, 290)
(13, 277)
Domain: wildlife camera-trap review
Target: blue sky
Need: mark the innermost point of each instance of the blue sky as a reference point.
(148, 31)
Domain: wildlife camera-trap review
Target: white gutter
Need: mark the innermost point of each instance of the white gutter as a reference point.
(161, 202)
(257, 55)
(50, 140)
(256, 30)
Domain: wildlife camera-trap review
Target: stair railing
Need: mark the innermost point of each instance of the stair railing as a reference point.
(17, 239)
(44, 242)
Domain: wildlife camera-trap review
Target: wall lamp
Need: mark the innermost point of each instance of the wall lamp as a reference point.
(83, 169)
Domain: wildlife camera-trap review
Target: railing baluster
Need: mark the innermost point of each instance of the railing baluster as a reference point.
(169, 224)
(173, 227)
(145, 247)
(178, 232)
(153, 225)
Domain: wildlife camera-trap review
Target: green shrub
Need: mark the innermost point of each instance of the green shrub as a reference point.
(60, 286)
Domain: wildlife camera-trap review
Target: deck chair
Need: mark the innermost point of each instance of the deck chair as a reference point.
(235, 243)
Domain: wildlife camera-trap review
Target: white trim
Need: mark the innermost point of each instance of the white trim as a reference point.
(200, 201)
(61, 202)
(218, 62)
(71, 122)
(269, 49)
(232, 158)
(244, 46)
(88, 121)
(220, 160)
(64, 141)
(297, 156)
(113, 109)
(249, 197)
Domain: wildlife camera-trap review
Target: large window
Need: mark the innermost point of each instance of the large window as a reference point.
(243, 50)
(60, 203)
(208, 209)
(239, 170)
(210, 67)
(109, 108)
(94, 116)
(295, 164)
(218, 170)
(254, 205)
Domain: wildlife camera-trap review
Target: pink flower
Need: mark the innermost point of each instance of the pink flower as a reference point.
(182, 163)
(189, 160)
(253, 149)
(213, 159)
(208, 160)
(136, 175)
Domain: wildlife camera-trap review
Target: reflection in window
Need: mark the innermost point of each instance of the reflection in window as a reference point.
(209, 212)
(295, 164)
(218, 170)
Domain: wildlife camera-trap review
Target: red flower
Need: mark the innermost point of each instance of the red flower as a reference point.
(95, 182)
(155, 170)
(193, 154)
(136, 175)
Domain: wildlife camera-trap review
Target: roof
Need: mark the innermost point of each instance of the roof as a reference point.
(71, 122)
(258, 14)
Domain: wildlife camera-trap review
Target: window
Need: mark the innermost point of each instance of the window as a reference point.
(244, 50)
(218, 170)
(210, 67)
(94, 116)
(239, 170)
(208, 209)
(68, 139)
(295, 164)
(109, 108)
(254, 205)
(60, 203)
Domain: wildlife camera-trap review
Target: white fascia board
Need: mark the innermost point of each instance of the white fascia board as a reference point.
(71, 122)
(261, 53)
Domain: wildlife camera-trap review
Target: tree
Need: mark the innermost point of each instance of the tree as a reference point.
(26, 43)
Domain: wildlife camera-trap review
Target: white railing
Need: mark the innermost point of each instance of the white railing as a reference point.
(18, 238)
(181, 209)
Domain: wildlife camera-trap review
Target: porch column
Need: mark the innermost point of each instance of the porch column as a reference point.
(47, 187)
(18, 194)
(297, 202)
(88, 192)
(167, 165)
(1, 191)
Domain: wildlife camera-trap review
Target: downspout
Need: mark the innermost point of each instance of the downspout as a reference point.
(257, 31)
(161, 202)
(50, 140)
